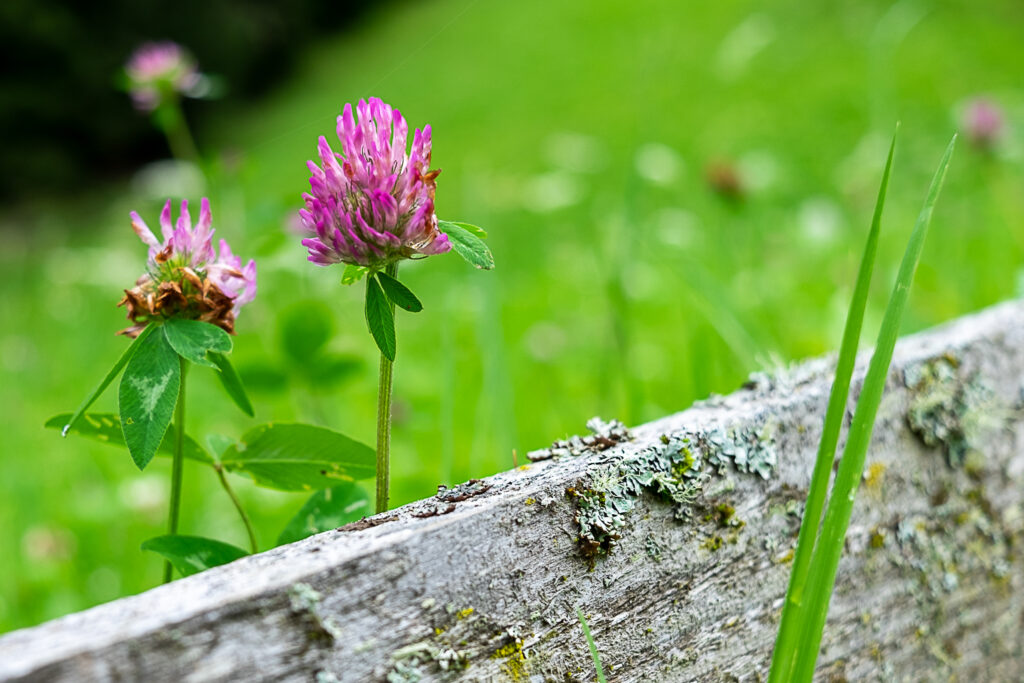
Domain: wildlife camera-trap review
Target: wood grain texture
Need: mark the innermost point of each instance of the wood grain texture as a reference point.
(482, 582)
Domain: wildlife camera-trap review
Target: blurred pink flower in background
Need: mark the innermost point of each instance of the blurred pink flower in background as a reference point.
(983, 122)
(156, 71)
(373, 203)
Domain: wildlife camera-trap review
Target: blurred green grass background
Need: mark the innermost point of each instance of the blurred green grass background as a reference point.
(580, 135)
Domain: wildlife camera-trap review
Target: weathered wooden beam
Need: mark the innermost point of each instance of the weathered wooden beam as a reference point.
(676, 544)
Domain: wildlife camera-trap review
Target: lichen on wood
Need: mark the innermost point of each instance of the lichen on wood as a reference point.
(700, 512)
(675, 468)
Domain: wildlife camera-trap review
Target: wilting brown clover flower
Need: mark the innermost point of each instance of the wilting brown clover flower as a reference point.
(186, 277)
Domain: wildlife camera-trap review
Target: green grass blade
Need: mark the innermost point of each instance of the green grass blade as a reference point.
(118, 366)
(837, 517)
(593, 646)
(787, 642)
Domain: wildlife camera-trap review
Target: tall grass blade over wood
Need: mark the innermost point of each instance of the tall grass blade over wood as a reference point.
(593, 646)
(792, 614)
(827, 551)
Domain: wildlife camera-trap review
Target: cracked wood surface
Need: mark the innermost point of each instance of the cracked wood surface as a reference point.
(482, 582)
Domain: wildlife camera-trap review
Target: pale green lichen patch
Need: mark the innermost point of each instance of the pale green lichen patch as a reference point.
(947, 410)
(751, 451)
(305, 601)
(460, 635)
(603, 435)
(676, 470)
(303, 597)
(408, 662)
(965, 543)
(653, 548)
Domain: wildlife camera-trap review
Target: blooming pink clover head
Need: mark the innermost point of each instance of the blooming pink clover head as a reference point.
(157, 70)
(186, 276)
(373, 203)
(983, 122)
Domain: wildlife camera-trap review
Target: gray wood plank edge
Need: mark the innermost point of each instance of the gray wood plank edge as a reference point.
(930, 588)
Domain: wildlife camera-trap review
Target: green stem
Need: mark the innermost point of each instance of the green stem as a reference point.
(179, 138)
(384, 417)
(238, 506)
(178, 466)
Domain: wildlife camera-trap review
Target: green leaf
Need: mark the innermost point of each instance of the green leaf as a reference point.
(793, 615)
(232, 382)
(380, 318)
(327, 509)
(106, 427)
(146, 397)
(192, 339)
(193, 554)
(353, 274)
(399, 294)
(118, 366)
(467, 245)
(299, 457)
(829, 548)
(303, 330)
(470, 228)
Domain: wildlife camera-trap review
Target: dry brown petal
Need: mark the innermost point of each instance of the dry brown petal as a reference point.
(192, 277)
(163, 255)
(168, 299)
(133, 331)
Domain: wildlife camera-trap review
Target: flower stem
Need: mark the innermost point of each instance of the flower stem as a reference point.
(178, 466)
(179, 137)
(384, 417)
(238, 506)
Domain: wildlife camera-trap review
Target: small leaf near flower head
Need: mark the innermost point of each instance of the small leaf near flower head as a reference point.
(353, 274)
(146, 397)
(470, 228)
(380, 318)
(193, 554)
(467, 245)
(193, 339)
(399, 294)
(232, 382)
(95, 394)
